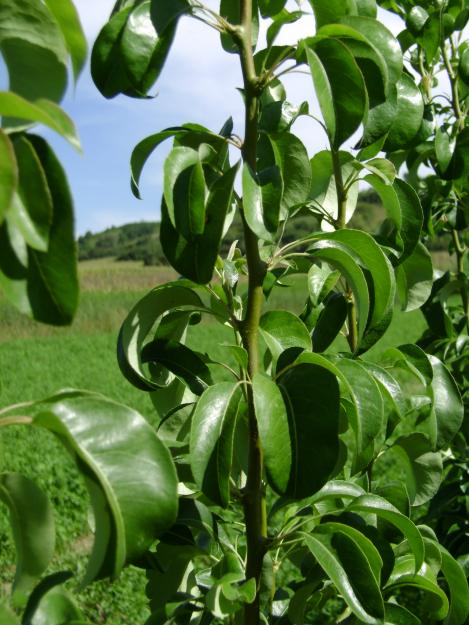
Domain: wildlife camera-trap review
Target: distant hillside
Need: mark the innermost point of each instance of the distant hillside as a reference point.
(140, 241)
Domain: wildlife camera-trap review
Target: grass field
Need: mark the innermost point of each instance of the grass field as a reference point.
(36, 360)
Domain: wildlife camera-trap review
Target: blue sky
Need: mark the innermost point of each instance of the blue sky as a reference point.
(198, 84)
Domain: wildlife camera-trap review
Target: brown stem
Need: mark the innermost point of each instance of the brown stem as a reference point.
(254, 495)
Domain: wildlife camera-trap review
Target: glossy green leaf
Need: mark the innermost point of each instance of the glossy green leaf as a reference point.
(32, 44)
(165, 14)
(330, 322)
(414, 279)
(447, 404)
(398, 615)
(409, 115)
(463, 69)
(181, 360)
(291, 157)
(423, 467)
(281, 330)
(274, 432)
(211, 440)
(139, 322)
(196, 259)
(458, 588)
(262, 194)
(41, 112)
(383, 509)
(68, 19)
(57, 607)
(416, 19)
(132, 483)
(340, 257)
(280, 19)
(8, 174)
(348, 581)
(366, 416)
(269, 8)
(143, 52)
(335, 489)
(444, 149)
(330, 11)
(44, 285)
(321, 280)
(314, 440)
(324, 186)
(32, 523)
(32, 209)
(342, 101)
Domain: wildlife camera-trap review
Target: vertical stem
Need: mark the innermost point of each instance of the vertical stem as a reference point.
(254, 496)
(460, 252)
(352, 336)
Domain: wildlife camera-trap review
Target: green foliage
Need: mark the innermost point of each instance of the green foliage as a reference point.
(262, 503)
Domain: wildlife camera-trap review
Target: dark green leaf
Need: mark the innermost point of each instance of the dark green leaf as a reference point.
(330, 11)
(416, 19)
(274, 432)
(459, 592)
(67, 18)
(444, 149)
(409, 115)
(383, 509)
(347, 579)
(44, 284)
(342, 100)
(181, 360)
(165, 14)
(447, 404)
(211, 441)
(132, 483)
(139, 322)
(196, 259)
(314, 440)
(32, 523)
(330, 322)
(33, 204)
(398, 615)
(262, 194)
(321, 280)
(269, 8)
(423, 467)
(281, 330)
(8, 174)
(415, 278)
(41, 112)
(32, 45)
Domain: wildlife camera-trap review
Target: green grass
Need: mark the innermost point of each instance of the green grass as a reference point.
(36, 361)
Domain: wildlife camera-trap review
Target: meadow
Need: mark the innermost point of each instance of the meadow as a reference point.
(37, 360)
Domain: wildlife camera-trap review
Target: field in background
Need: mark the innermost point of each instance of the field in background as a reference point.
(37, 360)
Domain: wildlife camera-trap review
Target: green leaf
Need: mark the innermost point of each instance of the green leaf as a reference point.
(280, 19)
(409, 115)
(342, 101)
(57, 607)
(314, 440)
(196, 259)
(181, 360)
(459, 592)
(414, 278)
(68, 19)
(383, 509)
(44, 285)
(324, 187)
(444, 149)
(321, 280)
(140, 321)
(143, 52)
(41, 112)
(132, 483)
(32, 45)
(230, 10)
(281, 330)
(423, 467)
(274, 432)
(8, 174)
(349, 581)
(32, 523)
(33, 204)
(367, 414)
(269, 8)
(447, 405)
(211, 440)
(416, 19)
(330, 322)
(398, 615)
(330, 11)
(262, 193)
(166, 14)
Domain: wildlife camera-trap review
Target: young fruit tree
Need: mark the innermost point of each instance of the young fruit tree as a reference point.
(266, 492)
